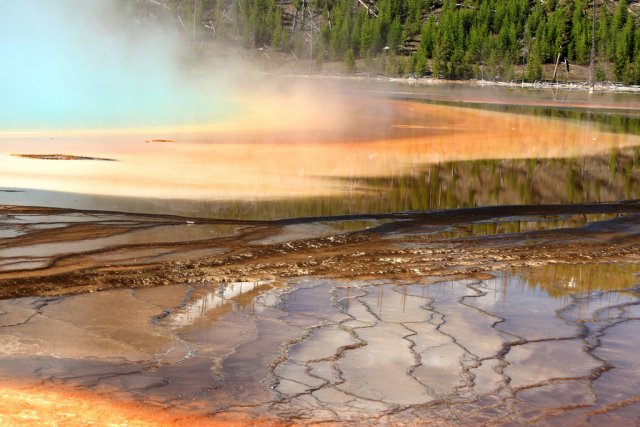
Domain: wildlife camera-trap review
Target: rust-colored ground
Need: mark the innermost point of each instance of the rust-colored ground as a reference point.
(67, 407)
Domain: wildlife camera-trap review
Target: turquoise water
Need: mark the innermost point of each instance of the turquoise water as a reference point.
(76, 64)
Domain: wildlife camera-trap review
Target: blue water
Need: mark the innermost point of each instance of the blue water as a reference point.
(76, 64)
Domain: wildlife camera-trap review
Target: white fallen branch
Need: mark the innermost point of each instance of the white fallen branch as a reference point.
(369, 10)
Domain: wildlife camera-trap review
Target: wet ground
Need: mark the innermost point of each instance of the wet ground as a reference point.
(499, 349)
(470, 316)
(438, 265)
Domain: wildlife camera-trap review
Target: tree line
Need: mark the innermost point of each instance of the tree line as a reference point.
(454, 39)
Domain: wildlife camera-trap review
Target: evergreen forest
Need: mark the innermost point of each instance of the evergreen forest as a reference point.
(509, 40)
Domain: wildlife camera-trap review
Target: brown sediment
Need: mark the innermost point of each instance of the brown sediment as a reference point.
(105, 252)
(60, 157)
(159, 140)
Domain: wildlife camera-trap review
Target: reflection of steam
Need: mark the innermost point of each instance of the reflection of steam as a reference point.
(223, 295)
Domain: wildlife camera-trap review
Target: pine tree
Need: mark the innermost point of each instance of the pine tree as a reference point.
(420, 68)
(534, 66)
(428, 36)
(459, 37)
(350, 62)
(394, 36)
(624, 49)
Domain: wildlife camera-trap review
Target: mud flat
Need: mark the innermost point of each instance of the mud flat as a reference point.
(60, 157)
(470, 316)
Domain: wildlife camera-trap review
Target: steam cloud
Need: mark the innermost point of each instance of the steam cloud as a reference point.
(78, 64)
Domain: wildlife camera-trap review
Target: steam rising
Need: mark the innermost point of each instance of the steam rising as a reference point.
(99, 84)
(78, 64)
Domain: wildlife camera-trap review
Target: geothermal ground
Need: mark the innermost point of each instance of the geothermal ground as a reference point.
(469, 316)
(328, 257)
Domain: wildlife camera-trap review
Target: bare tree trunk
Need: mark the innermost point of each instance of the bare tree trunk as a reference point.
(593, 46)
(555, 70)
